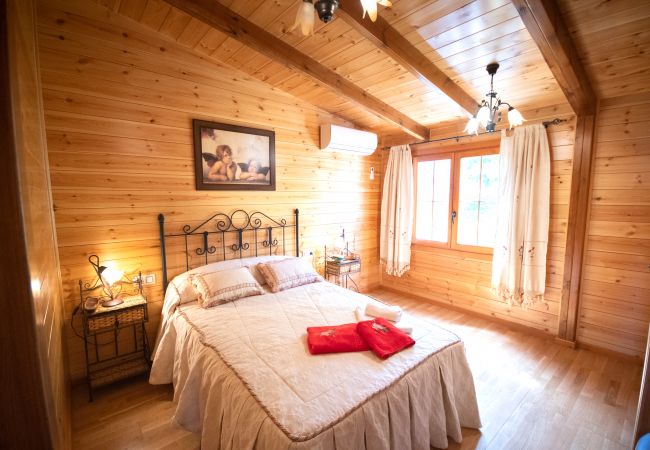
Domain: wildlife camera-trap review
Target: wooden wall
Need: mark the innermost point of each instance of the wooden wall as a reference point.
(49, 401)
(119, 100)
(614, 308)
(462, 279)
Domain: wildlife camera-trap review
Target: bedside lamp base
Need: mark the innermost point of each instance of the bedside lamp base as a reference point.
(112, 302)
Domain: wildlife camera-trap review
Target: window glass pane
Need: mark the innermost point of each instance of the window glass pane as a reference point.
(487, 229)
(467, 222)
(490, 178)
(477, 210)
(425, 186)
(470, 176)
(433, 186)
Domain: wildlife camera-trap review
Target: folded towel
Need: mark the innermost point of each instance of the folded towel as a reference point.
(393, 313)
(404, 329)
(383, 338)
(335, 339)
(361, 317)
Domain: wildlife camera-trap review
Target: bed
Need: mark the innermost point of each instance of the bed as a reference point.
(243, 377)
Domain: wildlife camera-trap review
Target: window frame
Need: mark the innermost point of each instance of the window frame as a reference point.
(454, 194)
(424, 158)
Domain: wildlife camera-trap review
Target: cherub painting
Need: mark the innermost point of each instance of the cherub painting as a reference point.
(233, 157)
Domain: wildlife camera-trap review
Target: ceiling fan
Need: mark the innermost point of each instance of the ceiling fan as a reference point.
(326, 10)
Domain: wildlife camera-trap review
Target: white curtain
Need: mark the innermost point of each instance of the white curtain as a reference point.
(397, 207)
(519, 261)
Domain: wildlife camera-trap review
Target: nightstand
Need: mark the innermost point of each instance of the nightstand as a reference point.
(115, 341)
(342, 269)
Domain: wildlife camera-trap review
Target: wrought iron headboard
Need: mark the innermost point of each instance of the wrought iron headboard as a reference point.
(252, 225)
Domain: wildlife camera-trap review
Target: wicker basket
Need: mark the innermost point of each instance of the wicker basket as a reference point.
(119, 320)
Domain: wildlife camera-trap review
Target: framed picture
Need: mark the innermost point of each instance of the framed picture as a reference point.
(230, 157)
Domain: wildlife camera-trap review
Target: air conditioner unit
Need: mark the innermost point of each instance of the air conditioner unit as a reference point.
(348, 140)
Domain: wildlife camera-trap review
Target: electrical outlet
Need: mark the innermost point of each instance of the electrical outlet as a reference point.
(149, 278)
(372, 173)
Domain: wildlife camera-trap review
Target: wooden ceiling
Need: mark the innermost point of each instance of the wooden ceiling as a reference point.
(613, 41)
(460, 37)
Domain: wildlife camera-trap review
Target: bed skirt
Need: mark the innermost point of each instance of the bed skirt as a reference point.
(423, 408)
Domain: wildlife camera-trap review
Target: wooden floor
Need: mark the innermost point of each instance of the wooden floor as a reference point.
(532, 393)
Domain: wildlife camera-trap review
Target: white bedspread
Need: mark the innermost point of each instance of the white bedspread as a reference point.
(244, 379)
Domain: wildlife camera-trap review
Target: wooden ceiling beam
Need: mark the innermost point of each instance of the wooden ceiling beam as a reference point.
(388, 39)
(237, 27)
(544, 22)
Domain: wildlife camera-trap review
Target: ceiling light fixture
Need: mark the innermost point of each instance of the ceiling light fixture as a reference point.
(326, 10)
(488, 114)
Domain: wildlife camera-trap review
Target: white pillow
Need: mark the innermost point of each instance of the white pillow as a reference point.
(288, 273)
(216, 288)
(186, 293)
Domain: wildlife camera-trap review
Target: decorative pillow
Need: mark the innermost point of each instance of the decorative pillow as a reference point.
(288, 273)
(216, 288)
(182, 286)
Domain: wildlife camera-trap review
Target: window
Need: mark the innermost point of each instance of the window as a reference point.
(456, 199)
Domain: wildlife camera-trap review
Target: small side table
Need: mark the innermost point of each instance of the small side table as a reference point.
(342, 271)
(110, 361)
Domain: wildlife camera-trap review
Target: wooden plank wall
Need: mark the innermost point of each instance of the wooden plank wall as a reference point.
(462, 279)
(38, 225)
(119, 100)
(614, 308)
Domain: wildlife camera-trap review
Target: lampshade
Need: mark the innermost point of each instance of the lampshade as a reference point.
(107, 278)
(304, 18)
(514, 117)
(483, 115)
(110, 276)
(370, 7)
(472, 126)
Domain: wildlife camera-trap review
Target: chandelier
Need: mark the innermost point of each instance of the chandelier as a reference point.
(326, 10)
(489, 114)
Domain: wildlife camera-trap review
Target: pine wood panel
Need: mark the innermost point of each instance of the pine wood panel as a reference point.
(465, 36)
(35, 388)
(254, 36)
(548, 30)
(397, 47)
(616, 293)
(463, 279)
(458, 37)
(93, 15)
(612, 42)
(119, 99)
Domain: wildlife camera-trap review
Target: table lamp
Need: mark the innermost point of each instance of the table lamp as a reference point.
(108, 277)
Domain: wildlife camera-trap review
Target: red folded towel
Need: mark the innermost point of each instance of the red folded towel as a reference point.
(383, 338)
(335, 339)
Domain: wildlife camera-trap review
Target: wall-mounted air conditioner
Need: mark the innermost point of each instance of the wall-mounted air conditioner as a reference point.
(348, 140)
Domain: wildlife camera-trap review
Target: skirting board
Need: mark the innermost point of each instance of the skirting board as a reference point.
(520, 327)
(511, 325)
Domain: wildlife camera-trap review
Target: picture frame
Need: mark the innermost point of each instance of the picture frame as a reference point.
(233, 157)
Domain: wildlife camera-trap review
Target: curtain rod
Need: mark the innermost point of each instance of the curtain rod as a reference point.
(546, 124)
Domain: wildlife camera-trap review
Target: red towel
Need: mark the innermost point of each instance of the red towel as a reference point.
(335, 339)
(383, 338)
